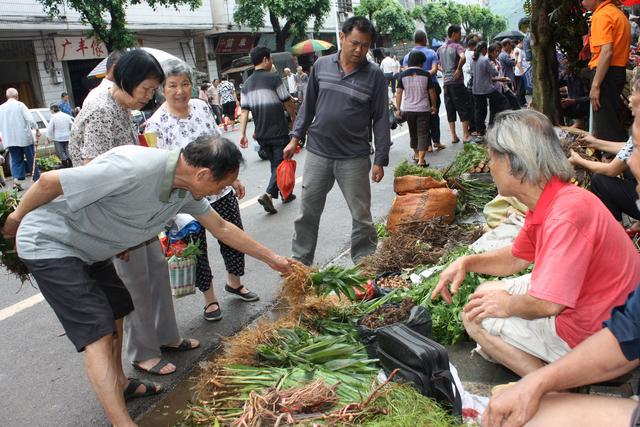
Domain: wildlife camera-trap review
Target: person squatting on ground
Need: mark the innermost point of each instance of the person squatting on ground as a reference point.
(569, 236)
(414, 85)
(179, 121)
(346, 95)
(72, 222)
(265, 96)
(59, 131)
(456, 97)
(609, 353)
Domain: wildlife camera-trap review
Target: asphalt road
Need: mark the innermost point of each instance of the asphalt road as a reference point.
(42, 378)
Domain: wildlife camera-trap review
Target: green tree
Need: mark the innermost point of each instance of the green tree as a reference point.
(114, 32)
(389, 17)
(294, 13)
(436, 17)
(555, 24)
(478, 19)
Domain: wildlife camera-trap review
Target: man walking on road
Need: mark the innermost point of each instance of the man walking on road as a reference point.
(264, 95)
(72, 222)
(292, 82)
(430, 66)
(387, 66)
(456, 97)
(345, 95)
(16, 123)
(610, 40)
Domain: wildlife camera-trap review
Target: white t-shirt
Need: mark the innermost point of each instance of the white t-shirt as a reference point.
(291, 82)
(466, 68)
(387, 65)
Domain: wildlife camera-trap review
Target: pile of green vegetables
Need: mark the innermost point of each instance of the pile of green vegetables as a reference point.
(48, 163)
(342, 281)
(472, 193)
(406, 168)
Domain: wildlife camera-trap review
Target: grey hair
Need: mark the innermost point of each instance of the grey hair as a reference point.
(11, 93)
(176, 67)
(531, 144)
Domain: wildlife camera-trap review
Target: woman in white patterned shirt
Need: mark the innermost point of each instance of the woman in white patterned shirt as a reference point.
(177, 122)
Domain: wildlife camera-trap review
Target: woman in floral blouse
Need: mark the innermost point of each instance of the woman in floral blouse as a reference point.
(177, 122)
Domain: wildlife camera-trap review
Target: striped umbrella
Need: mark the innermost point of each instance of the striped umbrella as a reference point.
(310, 46)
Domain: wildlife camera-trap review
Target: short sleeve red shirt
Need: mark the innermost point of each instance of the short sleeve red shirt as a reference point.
(583, 258)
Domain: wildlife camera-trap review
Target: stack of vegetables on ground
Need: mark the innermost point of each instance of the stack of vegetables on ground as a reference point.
(309, 365)
(468, 176)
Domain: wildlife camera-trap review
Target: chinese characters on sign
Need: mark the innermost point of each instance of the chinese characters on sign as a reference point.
(238, 43)
(70, 48)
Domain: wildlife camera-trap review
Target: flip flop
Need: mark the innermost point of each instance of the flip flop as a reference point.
(455, 141)
(150, 389)
(185, 345)
(439, 147)
(156, 369)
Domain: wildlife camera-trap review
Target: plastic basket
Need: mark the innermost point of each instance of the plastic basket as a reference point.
(182, 276)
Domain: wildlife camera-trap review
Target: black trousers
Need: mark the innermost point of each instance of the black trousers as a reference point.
(520, 91)
(607, 121)
(274, 150)
(618, 195)
(434, 123)
(497, 103)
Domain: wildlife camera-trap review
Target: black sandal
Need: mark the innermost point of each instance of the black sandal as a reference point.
(156, 369)
(247, 297)
(150, 389)
(212, 316)
(185, 345)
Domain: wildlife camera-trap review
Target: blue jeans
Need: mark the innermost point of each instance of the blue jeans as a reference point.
(21, 166)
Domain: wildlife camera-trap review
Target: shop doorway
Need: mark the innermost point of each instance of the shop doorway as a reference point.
(80, 84)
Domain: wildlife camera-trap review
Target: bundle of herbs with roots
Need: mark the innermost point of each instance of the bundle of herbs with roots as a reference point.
(472, 193)
(8, 254)
(473, 158)
(417, 243)
(304, 281)
(572, 141)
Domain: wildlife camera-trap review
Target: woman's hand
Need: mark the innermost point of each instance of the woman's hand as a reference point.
(238, 188)
(574, 158)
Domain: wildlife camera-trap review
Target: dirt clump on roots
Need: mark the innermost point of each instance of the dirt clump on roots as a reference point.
(388, 315)
(418, 243)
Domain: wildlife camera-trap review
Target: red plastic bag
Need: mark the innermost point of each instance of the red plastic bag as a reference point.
(286, 177)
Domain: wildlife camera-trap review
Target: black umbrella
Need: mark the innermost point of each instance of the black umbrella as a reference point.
(513, 35)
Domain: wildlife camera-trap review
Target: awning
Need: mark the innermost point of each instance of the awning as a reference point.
(237, 69)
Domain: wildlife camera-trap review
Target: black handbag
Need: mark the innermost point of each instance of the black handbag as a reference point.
(421, 361)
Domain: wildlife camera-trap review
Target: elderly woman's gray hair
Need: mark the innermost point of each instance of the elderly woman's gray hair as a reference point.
(527, 138)
(176, 67)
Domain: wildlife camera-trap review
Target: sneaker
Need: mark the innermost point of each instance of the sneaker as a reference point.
(214, 315)
(267, 203)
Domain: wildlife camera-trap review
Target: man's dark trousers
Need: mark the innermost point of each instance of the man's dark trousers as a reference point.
(273, 148)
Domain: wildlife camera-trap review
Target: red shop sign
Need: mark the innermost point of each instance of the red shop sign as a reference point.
(235, 44)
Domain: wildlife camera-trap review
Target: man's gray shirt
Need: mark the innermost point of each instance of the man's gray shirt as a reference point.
(122, 198)
(338, 110)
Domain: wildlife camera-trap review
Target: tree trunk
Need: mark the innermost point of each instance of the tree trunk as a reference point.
(282, 34)
(546, 90)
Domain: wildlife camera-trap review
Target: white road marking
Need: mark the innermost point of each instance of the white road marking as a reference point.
(5, 313)
(38, 298)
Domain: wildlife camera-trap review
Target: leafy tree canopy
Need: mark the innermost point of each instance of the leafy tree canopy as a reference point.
(108, 17)
(294, 13)
(389, 17)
